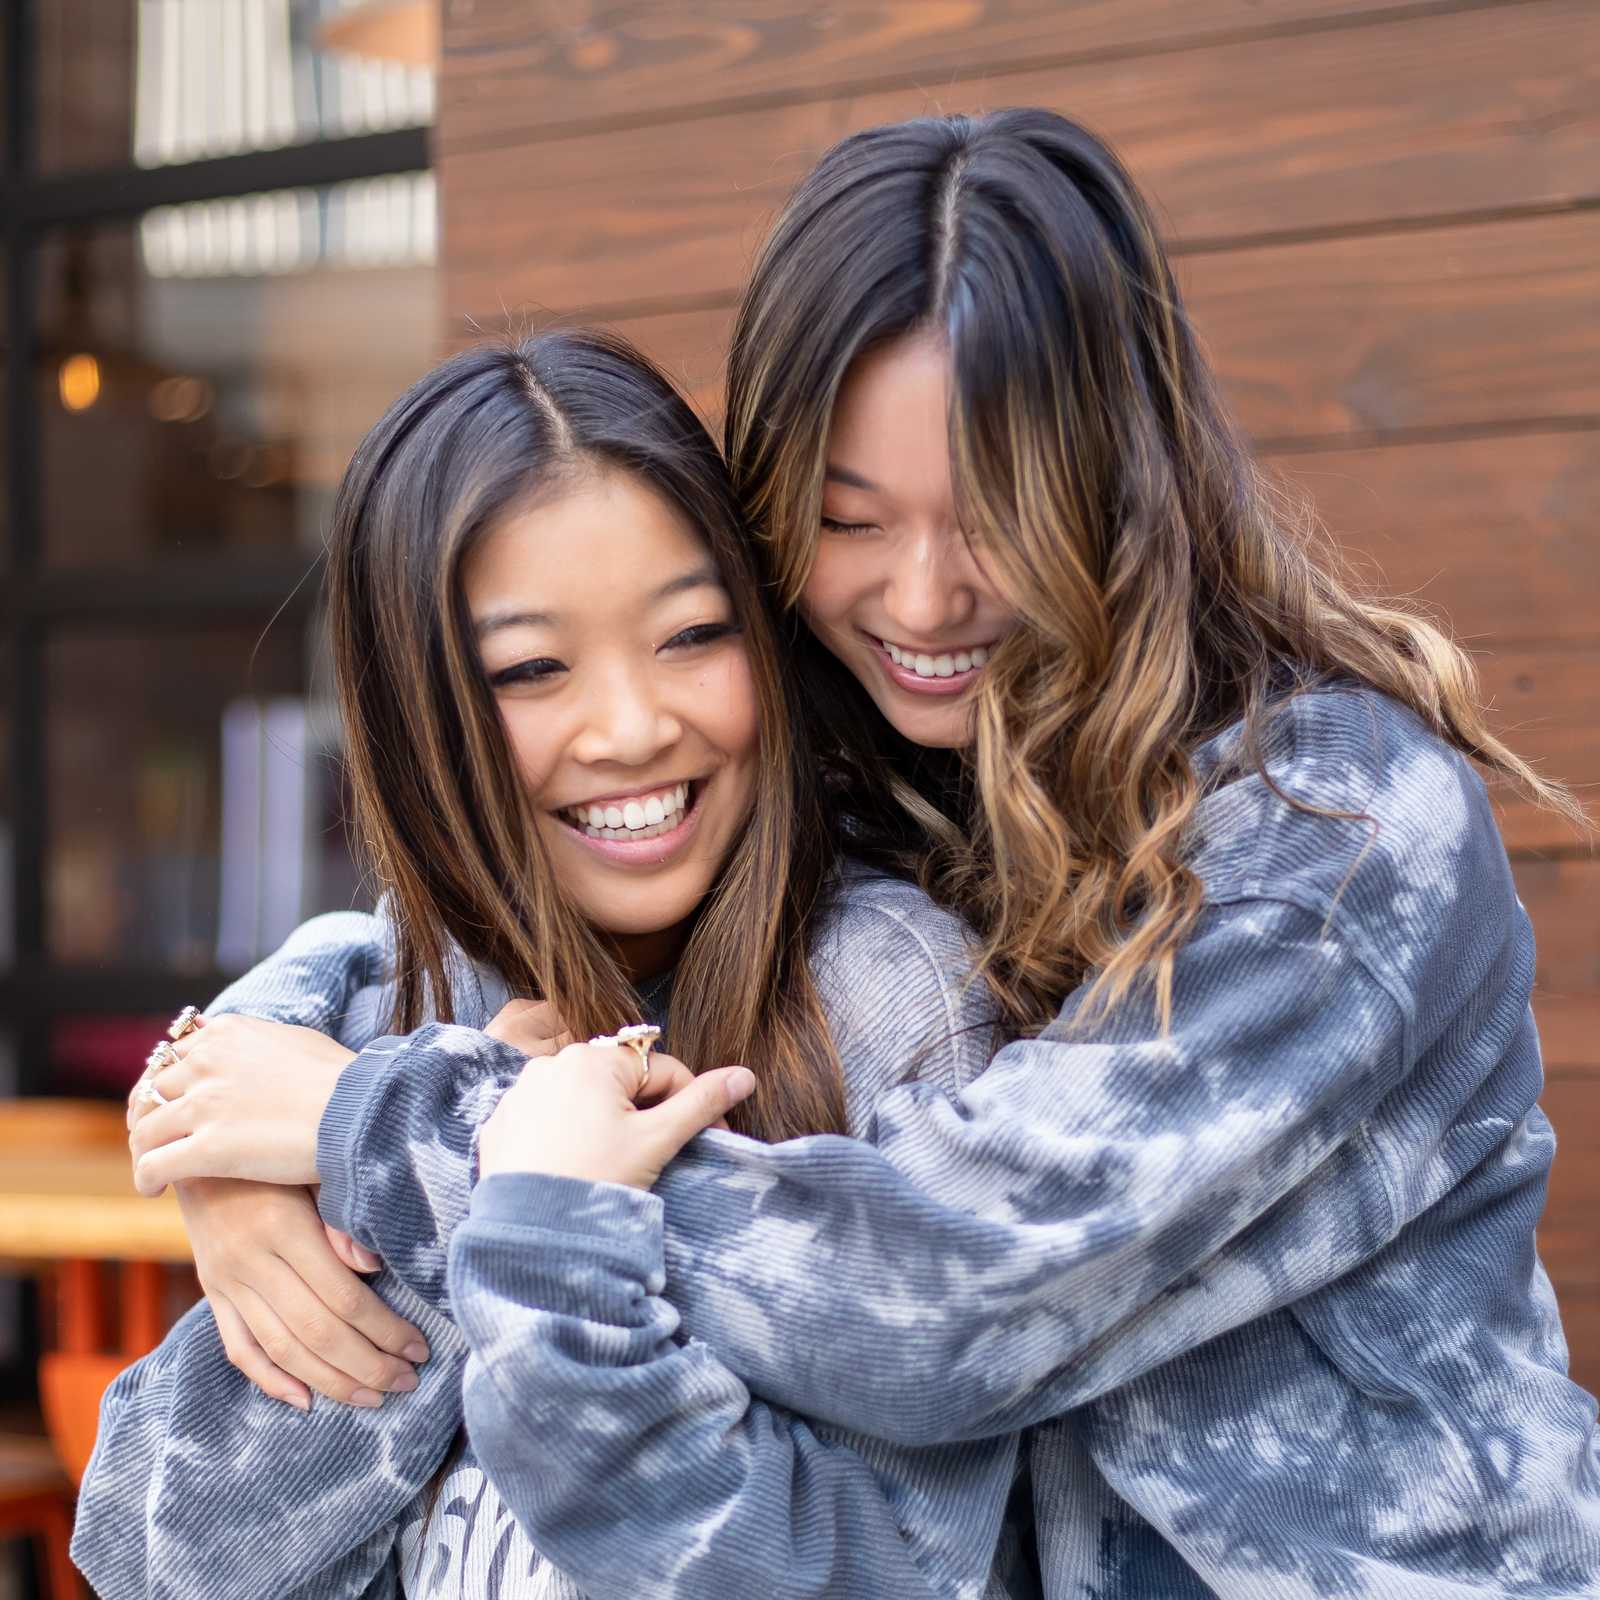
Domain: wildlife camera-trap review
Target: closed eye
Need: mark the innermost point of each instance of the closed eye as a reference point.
(833, 525)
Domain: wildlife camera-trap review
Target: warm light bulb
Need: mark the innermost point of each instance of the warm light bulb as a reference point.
(79, 382)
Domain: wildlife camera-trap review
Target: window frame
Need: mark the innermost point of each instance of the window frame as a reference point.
(37, 602)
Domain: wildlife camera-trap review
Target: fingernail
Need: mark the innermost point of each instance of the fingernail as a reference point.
(298, 1401)
(403, 1384)
(369, 1262)
(415, 1351)
(741, 1081)
(366, 1397)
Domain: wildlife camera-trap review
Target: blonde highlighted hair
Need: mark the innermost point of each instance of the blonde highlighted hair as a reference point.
(1165, 588)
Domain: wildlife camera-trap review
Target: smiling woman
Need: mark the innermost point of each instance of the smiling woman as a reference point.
(582, 780)
(617, 663)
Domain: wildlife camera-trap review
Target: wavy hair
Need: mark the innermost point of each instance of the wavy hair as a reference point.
(440, 809)
(1165, 588)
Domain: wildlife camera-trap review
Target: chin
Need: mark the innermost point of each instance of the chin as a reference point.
(937, 727)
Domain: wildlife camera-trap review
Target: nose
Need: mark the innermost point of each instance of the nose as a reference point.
(625, 720)
(929, 588)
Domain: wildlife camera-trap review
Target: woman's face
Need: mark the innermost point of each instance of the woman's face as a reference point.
(897, 593)
(621, 677)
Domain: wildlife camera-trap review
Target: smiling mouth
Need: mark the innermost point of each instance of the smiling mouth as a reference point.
(951, 664)
(650, 814)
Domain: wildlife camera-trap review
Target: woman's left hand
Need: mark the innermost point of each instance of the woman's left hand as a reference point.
(583, 1113)
(245, 1099)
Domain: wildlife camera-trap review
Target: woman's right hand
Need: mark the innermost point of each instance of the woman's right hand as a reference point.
(292, 1315)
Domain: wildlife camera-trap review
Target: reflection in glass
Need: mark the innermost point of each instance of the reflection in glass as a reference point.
(195, 813)
(162, 81)
(205, 373)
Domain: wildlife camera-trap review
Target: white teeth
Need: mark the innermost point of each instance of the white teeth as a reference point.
(927, 666)
(633, 819)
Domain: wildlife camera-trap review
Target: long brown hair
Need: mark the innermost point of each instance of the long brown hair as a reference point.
(1165, 588)
(439, 807)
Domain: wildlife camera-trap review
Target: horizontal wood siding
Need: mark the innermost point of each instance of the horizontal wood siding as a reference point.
(1387, 224)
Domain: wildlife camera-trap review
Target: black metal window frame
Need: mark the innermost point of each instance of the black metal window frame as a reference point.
(34, 599)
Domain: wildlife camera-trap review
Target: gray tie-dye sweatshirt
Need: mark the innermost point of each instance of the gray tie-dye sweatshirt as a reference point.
(1262, 1286)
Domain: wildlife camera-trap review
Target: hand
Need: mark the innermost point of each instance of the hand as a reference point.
(533, 1026)
(245, 1100)
(290, 1313)
(575, 1115)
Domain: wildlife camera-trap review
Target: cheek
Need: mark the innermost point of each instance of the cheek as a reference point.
(839, 576)
(725, 710)
(529, 727)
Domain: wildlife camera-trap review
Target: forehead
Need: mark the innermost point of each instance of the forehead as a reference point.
(601, 542)
(890, 423)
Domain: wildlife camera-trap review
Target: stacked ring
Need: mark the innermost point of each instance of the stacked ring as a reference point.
(185, 1022)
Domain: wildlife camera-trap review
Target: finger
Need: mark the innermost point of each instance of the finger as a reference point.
(171, 1082)
(330, 1310)
(192, 1156)
(295, 1329)
(673, 1123)
(354, 1254)
(357, 1308)
(161, 1125)
(668, 1076)
(251, 1359)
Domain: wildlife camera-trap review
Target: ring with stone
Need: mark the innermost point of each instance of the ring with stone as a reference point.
(151, 1094)
(639, 1037)
(186, 1021)
(162, 1056)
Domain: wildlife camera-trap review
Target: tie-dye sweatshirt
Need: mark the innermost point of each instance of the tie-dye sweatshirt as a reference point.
(1262, 1283)
(200, 1485)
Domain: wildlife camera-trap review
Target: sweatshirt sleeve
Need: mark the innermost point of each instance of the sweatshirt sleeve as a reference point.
(636, 1462)
(317, 978)
(196, 1474)
(201, 1485)
(1092, 1205)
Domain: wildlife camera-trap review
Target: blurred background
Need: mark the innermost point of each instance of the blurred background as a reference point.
(234, 229)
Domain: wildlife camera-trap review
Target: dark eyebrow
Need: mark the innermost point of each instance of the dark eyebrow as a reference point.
(851, 480)
(700, 578)
(494, 621)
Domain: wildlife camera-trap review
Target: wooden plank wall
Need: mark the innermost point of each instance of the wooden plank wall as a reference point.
(1388, 223)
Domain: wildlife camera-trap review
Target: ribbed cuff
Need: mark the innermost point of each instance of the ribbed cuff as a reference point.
(586, 1249)
(338, 1134)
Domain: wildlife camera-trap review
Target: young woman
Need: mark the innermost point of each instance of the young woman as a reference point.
(577, 773)
(1254, 1201)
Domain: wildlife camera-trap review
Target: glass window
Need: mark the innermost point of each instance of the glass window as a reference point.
(155, 82)
(217, 362)
(195, 812)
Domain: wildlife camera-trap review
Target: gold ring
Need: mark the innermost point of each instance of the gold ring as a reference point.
(162, 1056)
(639, 1037)
(186, 1021)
